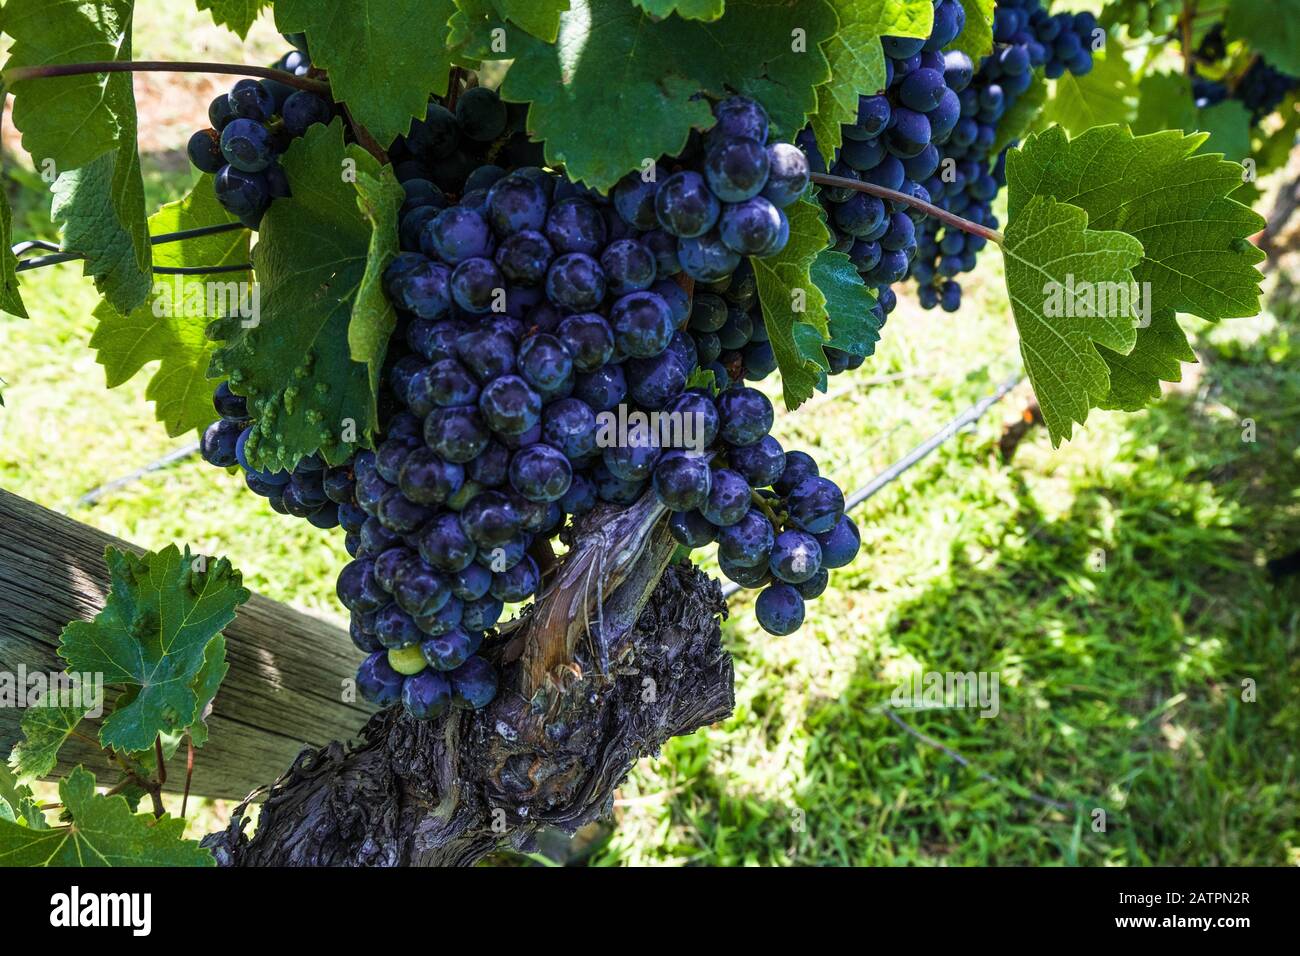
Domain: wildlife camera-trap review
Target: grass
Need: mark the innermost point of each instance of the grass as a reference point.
(1115, 586)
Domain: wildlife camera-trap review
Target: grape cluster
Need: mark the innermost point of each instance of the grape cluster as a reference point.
(1026, 37)
(930, 135)
(252, 126)
(547, 358)
(1261, 89)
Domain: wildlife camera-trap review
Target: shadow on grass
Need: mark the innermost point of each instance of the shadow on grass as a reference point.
(1145, 661)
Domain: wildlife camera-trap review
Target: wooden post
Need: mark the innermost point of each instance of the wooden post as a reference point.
(284, 691)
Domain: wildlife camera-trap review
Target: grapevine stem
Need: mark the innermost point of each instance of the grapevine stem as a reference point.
(930, 209)
(20, 73)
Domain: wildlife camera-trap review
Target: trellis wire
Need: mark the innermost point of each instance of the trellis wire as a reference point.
(93, 496)
(58, 255)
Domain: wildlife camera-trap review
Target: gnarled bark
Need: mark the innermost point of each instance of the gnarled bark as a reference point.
(450, 791)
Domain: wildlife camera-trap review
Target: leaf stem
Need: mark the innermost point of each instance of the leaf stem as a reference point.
(21, 73)
(930, 209)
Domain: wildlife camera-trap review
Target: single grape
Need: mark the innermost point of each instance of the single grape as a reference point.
(779, 609)
(427, 695)
(377, 682)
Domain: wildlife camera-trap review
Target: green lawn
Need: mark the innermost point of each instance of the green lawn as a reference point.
(1115, 585)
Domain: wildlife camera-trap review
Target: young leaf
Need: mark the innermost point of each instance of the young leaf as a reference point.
(1269, 27)
(236, 15)
(103, 832)
(45, 731)
(153, 633)
(294, 365)
(1175, 200)
(11, 299)
(976, 37)
(384, 57)
(379, 198)
(662, 67)
(169, 328)
(852, 324)
(1049, 248)
(71, 120)
(793, 304)
(858, 61)
(1106, 95)
(101, 208)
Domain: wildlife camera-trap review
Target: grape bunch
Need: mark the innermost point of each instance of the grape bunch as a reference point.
(1026, 37)
(1260, 89)
(929, 134)
(543, 329)
(252, 126)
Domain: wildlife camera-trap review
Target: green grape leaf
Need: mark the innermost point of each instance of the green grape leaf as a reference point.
(373, 317)
(294, 365)
(103, 832)
(101, 208)
(1275, 150)
(1165, 102)
(45, 731)
(1158, 356)
(767, 49)
(976, 37)
(84, 129)
(1050, 252)
(153, 634)
(1196, 257)
(206, 684)
(169, 328)
(1271, 28)
(235, 15)
(1021, 117)
(1161, 189)
(70, 120)
(541, 18)
(1228, 124)
(852, 325)
(11, 299)
(384, 57)
(857, 60)
(1105, 95)
(18, 797)
(792, 303)
(688, 9)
